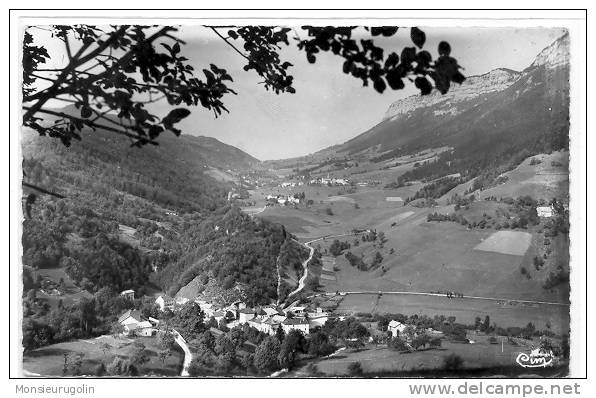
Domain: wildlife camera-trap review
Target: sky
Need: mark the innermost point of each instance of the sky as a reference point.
(328, 107)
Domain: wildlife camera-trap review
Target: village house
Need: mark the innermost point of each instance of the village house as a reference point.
(128, 294)
(245, 315)
(165, 301)
(134, 324)
(206, 307)
(544, 211)
(300, 324)
(130, 317)
(223, 315)
(141, 329)
(296, 310)
(396, 328)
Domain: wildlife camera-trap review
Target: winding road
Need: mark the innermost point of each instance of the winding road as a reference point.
(312, 252)
(187, 354)
(305, 266)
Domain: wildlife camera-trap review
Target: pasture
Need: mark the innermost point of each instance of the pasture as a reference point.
(71, 293)
(381, 359)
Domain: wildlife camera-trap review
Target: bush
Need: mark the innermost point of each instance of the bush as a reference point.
(337, 247)
(355, 369)
(453, 362)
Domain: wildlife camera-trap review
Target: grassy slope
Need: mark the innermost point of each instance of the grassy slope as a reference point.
(49, 360)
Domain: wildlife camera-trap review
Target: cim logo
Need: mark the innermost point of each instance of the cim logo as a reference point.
(535, 359)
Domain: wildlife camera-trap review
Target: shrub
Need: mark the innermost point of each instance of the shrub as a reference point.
(452, 362)
(355, 369)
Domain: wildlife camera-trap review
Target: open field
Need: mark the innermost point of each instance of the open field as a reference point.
(442, 257)
(515, 243)
(381, 359)
(49, 360)
(465, 310)
(545, 180)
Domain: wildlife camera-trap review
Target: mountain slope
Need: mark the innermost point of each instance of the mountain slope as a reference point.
(501, 107)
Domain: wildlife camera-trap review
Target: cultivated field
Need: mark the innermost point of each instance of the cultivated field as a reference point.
(515, 243)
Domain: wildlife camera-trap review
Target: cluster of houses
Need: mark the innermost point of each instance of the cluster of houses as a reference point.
(267, 319)
(282, 199)
(288, 184)
(329, 181)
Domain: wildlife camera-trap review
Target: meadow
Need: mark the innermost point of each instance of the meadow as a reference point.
(49, 360)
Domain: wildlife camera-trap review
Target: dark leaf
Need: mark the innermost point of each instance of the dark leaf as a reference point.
(408, 54)
(380, 85)
(175, 116)
(423, 85)
(444, 48)
(418, 37)
(392, 60)
(394, 80)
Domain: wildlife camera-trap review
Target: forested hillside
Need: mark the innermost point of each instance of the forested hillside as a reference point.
(132, 218)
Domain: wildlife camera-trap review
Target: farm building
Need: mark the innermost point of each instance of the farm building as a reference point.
(396, 327)
(135, 325)
(544, 211)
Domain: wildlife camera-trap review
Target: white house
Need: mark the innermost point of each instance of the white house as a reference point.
(143, 329)
(135, 325)
(544, 211)
(245, 315)
(165, 301)
(130, 317)
(128, 294)
(396, 327)
(300, 324)
(296, 310)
